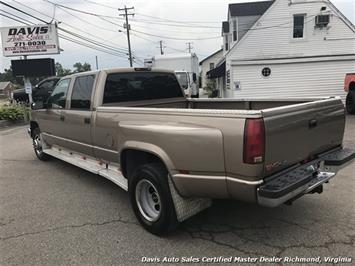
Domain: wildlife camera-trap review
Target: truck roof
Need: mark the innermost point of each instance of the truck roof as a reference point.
(121, 70)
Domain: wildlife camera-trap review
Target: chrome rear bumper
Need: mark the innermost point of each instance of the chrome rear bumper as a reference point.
(304, 179)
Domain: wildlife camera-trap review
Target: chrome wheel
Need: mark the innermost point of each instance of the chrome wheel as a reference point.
(148, 200)
(37, 143)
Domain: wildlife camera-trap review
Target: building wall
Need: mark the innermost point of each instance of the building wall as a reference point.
(244, 23)
(272, 36)
(205, 67)
(270, 44)
(296, 79)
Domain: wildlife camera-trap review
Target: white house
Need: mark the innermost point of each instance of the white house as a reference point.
(241, 17)
(210, 62)
(294, 48)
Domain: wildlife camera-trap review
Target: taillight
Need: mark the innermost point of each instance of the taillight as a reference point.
(254, 141)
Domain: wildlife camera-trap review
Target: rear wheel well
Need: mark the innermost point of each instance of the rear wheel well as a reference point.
(131, 159)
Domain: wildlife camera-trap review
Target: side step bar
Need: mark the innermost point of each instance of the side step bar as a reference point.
(109, 171)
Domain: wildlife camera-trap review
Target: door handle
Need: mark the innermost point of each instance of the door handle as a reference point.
(62, 117)
(87, 120)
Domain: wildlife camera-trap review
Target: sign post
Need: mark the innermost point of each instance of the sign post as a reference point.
(28, 86)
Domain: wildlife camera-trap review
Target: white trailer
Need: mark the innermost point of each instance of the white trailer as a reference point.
(185, 66)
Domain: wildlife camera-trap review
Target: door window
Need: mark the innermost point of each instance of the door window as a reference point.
(82, 89)
(59, 95)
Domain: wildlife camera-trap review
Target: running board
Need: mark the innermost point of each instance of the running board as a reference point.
(108, 170)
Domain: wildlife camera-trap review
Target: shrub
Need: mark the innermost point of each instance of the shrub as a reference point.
(14, 112)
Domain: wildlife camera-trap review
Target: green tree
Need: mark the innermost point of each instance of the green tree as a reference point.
(61, 71)
(79, 67)
(7, 75)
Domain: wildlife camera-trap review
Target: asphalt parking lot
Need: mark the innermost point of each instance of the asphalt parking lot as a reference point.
(54, 213)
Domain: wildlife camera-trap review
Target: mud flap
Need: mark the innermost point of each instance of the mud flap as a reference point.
(187, 207)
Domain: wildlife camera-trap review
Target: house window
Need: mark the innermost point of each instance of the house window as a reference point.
(298, 26)
(226, 42)
(266, 72)
(234, 30)
(211, 66)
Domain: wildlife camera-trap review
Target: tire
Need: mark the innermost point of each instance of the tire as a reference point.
(151, 199)
(37, 145)
(350, 102)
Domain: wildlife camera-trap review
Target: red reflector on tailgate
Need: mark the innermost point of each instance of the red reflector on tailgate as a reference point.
(254, 141)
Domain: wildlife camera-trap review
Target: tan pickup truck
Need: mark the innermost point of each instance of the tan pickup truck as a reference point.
(173, 155)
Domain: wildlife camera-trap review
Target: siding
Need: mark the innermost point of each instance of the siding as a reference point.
(277, 42)
(314, 79)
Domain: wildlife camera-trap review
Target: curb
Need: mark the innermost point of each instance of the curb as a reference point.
(7, 123)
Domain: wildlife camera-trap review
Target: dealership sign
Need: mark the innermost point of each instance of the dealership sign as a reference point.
(30, 40)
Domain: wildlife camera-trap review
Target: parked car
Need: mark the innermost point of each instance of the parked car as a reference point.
(349, 87)
(173, 154)
(40, 92)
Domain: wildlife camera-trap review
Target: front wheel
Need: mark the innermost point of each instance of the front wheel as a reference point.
(151, 199)
(350, 102)
(38, 145)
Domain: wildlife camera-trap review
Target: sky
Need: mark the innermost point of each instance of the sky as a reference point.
(196, 20)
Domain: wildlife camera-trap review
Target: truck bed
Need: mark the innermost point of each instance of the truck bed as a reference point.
(219, 104)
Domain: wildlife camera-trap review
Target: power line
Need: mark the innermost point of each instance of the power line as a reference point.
(17, 17)
(65, 37)
(141, 21)
(89, 46)
(175, 38)
(158, 18)
(123, 49)
(13, 18)
(81, 11)
(23, 12)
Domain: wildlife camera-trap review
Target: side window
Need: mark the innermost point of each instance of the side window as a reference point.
(82, 89)
(47, 85)
(59, 94)
(298, 26)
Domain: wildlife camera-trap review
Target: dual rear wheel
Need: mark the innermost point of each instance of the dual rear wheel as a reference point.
(151, 199)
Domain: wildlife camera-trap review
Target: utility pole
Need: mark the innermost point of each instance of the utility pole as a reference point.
(161, 47)
(189, 46)
(97, 62)
(127, 27)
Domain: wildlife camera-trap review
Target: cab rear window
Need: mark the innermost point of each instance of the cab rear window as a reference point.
(140, 86)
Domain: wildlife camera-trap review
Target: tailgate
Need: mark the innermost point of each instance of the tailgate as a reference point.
(298, 132)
